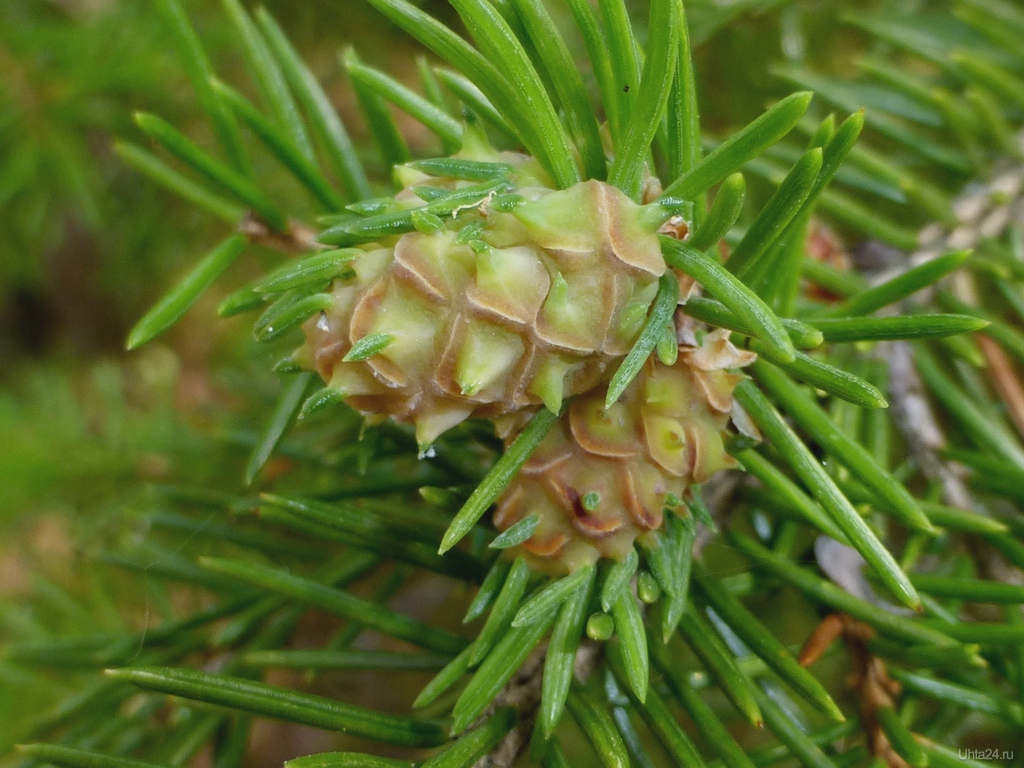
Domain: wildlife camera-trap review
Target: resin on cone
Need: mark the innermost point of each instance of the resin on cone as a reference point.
(523, 297)
(602, 478)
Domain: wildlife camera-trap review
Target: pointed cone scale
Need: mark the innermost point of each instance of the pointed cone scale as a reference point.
(549, 383)
(431, 426)
(486, 358)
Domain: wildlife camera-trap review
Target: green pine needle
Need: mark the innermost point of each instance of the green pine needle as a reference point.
(498, 478)
(280, 703)
(170, 308)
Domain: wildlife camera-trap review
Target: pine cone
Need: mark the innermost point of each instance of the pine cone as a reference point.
(602, 478)
(487, 312)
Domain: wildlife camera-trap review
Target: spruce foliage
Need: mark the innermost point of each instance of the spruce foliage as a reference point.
(878, 435)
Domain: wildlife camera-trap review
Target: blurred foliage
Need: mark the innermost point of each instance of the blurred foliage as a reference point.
(72, 74)
(75, 271)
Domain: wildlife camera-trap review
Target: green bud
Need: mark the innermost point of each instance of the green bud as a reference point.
(647, 588)
(668, 347)
(600, 626)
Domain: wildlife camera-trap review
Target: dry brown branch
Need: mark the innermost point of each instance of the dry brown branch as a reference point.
(869, 678)
(1004, 379)
(298, 239)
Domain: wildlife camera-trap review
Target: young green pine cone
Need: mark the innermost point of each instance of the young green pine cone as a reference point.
(521, 295)
(602, 478)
